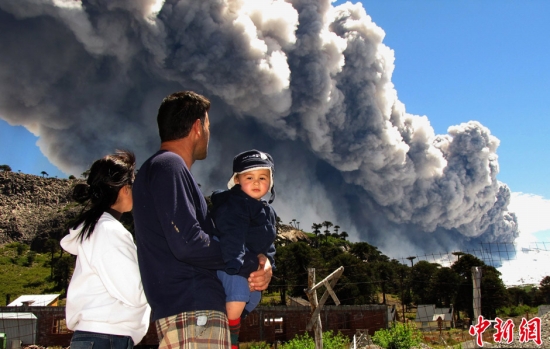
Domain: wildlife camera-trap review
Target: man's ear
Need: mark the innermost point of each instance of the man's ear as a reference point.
(197, 127)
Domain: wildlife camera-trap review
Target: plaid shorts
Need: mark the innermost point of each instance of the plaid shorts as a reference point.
(202, 329)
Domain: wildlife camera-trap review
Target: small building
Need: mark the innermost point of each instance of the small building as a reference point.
(19, 327)
(428, 317)
(50, 329)
(282, 323)
(36, 300)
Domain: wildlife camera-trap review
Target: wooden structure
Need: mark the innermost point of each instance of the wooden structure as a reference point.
(269, 324)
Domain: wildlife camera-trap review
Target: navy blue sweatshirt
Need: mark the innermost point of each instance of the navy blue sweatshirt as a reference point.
(176, 255)
(243, 222)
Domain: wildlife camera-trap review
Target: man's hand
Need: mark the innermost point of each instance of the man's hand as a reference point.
(259, 280)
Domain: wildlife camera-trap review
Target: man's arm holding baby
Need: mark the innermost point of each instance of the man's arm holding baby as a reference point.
(260, 279)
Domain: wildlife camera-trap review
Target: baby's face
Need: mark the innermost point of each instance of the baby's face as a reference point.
(255, 183)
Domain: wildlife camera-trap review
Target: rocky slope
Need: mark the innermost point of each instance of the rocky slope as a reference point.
(34, 209)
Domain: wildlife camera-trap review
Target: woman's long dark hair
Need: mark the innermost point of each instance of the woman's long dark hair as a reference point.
(107, 176)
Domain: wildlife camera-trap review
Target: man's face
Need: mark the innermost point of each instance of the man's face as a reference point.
(201, 151)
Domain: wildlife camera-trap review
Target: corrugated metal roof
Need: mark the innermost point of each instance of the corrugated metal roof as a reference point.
(35, 300)
(16, 316)
(426, 312)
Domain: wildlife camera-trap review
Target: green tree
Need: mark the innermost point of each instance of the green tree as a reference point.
(282, 278)
(292, 223)
(544, 290)
(493, 291)
(327, 225)
(403, 274)
(355, 285)
(361, 279)
(316, 229)
(21, 248)
(385, 273)
(292, 262)
(518, 295)
(463, 268)
(421, 277)
(443, 286)
(62, 271)
(31, 256)
(5, 168)
(344, 235)
(52, 246)
(72, 177)
(367, 252)
(44, 173)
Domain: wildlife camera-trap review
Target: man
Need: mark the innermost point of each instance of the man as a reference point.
(177, 257)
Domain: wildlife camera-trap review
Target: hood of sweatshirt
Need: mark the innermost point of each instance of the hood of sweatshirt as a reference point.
(70, 242)
(219, 197)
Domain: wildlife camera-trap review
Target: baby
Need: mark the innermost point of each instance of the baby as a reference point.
(244, 221)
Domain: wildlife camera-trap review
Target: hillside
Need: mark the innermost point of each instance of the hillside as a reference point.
(35, 211)
(34, 208)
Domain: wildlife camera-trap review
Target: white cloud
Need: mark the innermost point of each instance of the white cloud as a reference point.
(532, 260)
(533, 215)
(529, 266)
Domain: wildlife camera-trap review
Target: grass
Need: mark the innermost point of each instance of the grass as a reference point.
(18, 276)
(273, 298)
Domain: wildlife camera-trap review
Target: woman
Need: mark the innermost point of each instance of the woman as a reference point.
(106, 306)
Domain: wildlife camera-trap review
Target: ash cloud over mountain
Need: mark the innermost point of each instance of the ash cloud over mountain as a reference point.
(301, 79)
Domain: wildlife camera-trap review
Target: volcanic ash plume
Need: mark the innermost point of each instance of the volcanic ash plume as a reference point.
(302, 79)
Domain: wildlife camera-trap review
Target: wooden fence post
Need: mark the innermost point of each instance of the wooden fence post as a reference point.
(316, 306)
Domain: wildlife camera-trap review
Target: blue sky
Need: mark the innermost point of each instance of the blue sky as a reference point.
(487, 61)
(455, 61)
(477, 60)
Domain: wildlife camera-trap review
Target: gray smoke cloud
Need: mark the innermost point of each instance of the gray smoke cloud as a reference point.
(304, 80)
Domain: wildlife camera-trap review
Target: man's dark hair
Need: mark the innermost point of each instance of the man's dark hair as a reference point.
(178, 112)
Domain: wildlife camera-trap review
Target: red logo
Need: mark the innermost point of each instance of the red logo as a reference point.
(477, 330)
(529, 330)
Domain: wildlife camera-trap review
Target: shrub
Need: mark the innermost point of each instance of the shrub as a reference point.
(300, 342)
(398, 336)
(31, 257)
(259, 345)
(338, 341)
(21, 248)
(513, 311)
(330, 341)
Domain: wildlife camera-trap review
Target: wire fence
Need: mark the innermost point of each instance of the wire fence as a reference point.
(439, 325)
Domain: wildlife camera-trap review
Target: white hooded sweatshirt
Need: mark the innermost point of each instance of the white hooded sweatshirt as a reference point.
(105, 294)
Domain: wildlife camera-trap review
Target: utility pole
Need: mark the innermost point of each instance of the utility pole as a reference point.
(411, 259)
(402, 275)
(476, 278)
